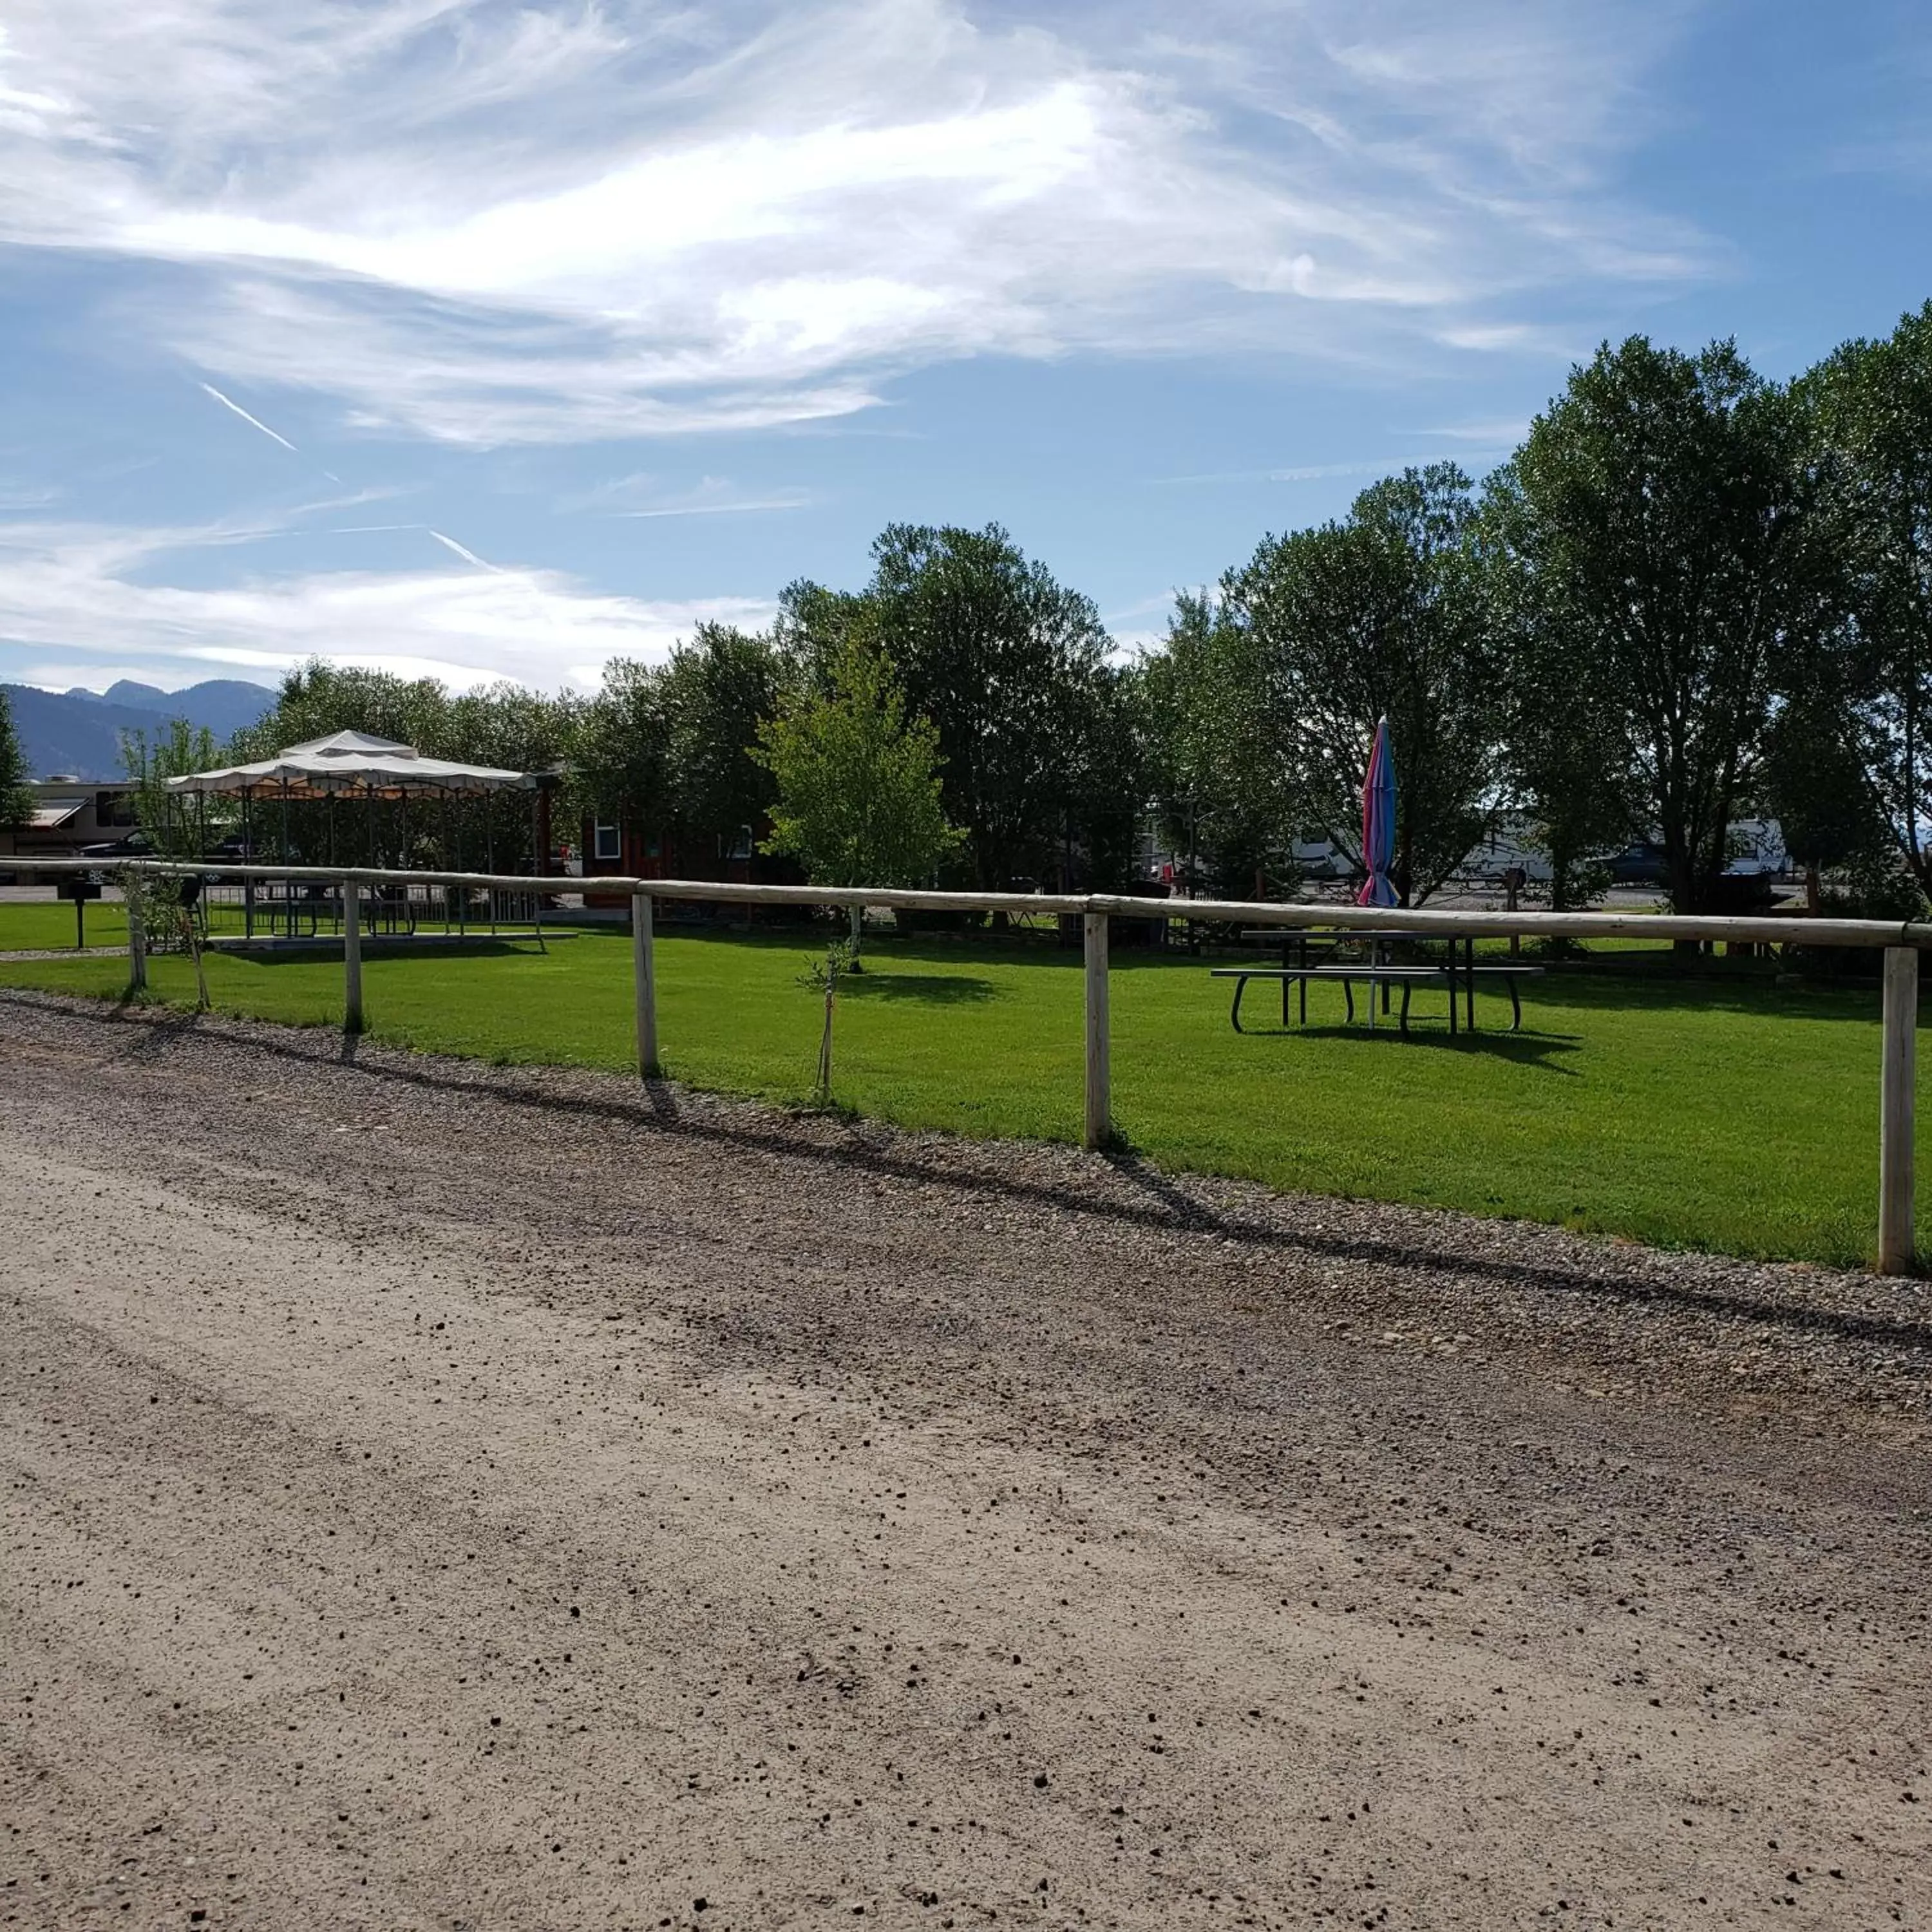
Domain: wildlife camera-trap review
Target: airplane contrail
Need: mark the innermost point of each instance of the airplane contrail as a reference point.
(468, 556)
(228, 403)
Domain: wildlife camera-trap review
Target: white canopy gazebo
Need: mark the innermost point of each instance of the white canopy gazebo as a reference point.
(359, 770)
(350, 764)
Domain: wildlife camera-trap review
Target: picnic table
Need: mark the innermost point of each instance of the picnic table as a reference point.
(297, 909)
(1306, 957)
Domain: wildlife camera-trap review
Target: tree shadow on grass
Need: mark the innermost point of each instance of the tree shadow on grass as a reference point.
(518, 945)
(1162, 1202)
(936, 989)
(1539, 1050)
(1663, 989)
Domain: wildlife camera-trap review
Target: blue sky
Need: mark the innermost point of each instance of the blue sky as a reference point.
(492, 341)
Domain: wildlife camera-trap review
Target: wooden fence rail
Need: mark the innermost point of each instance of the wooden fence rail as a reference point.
(1901, 943)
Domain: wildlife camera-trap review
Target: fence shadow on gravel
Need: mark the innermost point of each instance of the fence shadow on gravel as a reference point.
(1166, 1207)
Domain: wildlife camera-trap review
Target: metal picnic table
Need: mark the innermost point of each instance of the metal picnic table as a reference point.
(1300, 964)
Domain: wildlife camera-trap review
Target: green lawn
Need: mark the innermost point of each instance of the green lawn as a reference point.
(49, 922)
(1729, 1114)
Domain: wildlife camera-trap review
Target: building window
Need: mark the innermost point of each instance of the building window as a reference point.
(605, 842)
(742, 847)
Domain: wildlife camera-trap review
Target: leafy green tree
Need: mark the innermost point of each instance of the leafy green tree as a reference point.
(621, 769)
(1661, 515)
(1008, 664)
(859, 798)
(503, 724)
(672, 746)
(1107, 790)
(812, 623)
(1567, 760)
(174, 827)
(1382, 614)
(717, 691)
(1217, 769)
(318, 698)
(1871, 404)
(17, 801)
(1814, 781)
(508, 726)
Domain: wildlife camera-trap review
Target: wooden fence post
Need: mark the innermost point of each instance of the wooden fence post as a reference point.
(351, 956)
(1898, 1237)
(643, 966)
(137, 933)
(1099, 1128)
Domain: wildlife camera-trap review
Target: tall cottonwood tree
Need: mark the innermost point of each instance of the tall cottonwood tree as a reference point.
(1871, 405)
(1217, 763)
(1010, 665)
(504, 724)
(1567, 760)
(718, 689)
(1662, 517)
(1382, 614)
(620, 750)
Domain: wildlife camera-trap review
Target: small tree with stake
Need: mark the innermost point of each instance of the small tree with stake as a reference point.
(858, 802)
(165, 906)
(858, 782)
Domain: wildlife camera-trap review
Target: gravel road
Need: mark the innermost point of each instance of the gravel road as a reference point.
(439, 1495)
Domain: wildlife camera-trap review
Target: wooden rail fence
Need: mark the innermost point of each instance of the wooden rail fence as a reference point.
(1901, 943)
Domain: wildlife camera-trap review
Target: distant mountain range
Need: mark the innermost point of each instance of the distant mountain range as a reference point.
(77, 733)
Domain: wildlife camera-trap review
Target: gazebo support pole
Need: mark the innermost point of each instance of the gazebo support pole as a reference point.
(1898, 1242)
(643, 966)
(247, 853)
(1098, 1124)
(351, 957)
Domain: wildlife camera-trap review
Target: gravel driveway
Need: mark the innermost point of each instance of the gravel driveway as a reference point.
(439, 1495)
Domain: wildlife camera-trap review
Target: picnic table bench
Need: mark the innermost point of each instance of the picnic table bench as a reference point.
(1376, 969)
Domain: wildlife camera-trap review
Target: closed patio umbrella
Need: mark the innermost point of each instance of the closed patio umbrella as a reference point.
(1379, 822)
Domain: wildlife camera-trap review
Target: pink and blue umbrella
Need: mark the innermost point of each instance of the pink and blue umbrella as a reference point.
(1378, 824)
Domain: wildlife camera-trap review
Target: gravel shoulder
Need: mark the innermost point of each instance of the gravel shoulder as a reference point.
(444, 1496)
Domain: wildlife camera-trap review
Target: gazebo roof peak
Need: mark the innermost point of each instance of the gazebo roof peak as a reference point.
(350, 744)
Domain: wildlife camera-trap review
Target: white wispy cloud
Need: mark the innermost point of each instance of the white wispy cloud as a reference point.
(642, 495)
(1307, 472)
(1490, 433)
(490, 223)
(95, 595)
